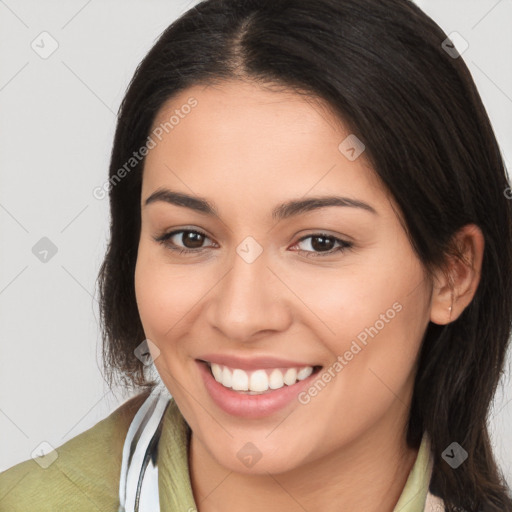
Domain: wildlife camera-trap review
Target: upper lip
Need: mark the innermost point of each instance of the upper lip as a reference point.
(254, 363)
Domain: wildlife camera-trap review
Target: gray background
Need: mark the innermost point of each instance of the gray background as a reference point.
(56, 129)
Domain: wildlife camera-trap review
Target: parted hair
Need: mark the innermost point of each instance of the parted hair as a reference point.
(384, 70)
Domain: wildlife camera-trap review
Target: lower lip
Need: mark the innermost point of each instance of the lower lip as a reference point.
(251, 406)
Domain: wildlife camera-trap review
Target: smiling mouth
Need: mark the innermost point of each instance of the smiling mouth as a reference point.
(258, 381)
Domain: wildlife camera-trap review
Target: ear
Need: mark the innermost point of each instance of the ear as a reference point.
(456, 283)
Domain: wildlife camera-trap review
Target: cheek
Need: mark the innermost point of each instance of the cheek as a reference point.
(355, 303)
(372, 368)
(374, 318)
(162, 298)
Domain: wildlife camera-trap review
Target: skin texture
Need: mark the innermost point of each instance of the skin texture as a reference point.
(246, 149)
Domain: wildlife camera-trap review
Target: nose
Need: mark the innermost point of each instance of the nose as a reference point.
(250, 301)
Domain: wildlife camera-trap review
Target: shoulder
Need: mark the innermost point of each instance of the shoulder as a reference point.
(83, 476)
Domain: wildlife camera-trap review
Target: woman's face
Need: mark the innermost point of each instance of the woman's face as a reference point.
(269, 288)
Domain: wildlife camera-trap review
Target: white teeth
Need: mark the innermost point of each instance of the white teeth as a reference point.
(217, 372)
(240, 380)
(258, 381)
(226, 377)
(290, 377)
(276, 379)
(304, 373)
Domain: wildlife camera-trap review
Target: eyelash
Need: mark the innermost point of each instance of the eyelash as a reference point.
(308, 254)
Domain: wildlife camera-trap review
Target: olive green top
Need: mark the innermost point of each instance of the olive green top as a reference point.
(85, 475)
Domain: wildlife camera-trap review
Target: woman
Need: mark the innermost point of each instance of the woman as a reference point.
(311, 242)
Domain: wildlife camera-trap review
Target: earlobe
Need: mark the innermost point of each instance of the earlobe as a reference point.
(455, 285)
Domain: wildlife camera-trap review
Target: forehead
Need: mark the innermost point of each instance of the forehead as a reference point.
(246, 94)
(253, 141)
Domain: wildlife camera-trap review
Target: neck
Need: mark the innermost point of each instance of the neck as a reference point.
(369, 475)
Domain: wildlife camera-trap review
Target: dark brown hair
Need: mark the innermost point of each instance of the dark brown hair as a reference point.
(382, 68)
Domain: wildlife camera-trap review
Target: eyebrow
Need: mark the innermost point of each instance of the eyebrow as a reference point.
(283, 211)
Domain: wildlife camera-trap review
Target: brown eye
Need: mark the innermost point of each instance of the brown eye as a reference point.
(323, 245)
(183, 240)
(192, 239)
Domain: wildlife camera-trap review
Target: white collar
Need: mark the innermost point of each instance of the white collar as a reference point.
(138, 483)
